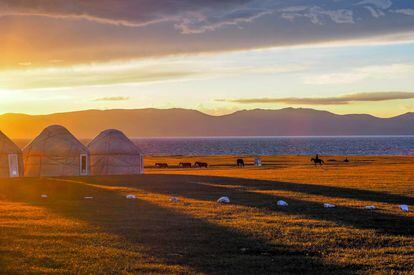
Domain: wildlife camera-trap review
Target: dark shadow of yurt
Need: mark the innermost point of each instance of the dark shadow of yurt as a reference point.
(55, 152)
(112, 153)
(11, 161)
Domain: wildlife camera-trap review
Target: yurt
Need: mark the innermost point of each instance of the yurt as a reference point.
(11, 162)
(112, 153)
(55, 152)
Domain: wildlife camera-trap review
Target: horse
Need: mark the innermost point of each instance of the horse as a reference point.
(161, 165)
(201, 164)
(185, 164)
(317, 161)
(240, 163)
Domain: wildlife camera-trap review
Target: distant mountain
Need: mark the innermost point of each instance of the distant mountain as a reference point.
(182, 122)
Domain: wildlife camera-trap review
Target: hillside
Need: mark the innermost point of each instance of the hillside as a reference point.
(182, 122)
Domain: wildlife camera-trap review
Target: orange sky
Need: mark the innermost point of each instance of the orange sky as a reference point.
(214, 56)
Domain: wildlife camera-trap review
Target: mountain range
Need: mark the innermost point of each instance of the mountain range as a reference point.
(184, 122)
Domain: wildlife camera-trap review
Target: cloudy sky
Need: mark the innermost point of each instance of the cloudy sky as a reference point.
(217, 56)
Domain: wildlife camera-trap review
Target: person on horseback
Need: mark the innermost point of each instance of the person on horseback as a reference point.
(317, 160)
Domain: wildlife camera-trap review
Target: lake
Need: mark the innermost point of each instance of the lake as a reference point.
(345, 146)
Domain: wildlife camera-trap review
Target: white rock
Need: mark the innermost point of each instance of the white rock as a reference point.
(404, 207)
(131, 197)
(43, 196)
(223, 200)
(370, 207)
(328, 205)
(282, 203)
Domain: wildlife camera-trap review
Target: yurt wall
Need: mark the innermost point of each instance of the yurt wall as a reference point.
(55, 152)
(112, 153)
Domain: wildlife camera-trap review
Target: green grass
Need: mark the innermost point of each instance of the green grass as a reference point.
(110, 234)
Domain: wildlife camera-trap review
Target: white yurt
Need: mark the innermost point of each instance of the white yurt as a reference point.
(55, 152)
(11, 162)
(112, 153)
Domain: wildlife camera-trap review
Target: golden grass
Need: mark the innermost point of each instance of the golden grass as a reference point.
(109, 234)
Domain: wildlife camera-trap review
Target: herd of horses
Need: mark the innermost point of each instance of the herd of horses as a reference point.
(239, 162)
(197, 164)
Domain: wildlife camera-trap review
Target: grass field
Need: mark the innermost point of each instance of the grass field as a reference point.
(66, 233)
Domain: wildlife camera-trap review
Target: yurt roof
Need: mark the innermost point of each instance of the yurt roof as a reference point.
(55, 140)
(112, 141)
(7, 146)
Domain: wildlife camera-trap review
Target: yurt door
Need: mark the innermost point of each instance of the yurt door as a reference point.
(83, 165)
(141, 165)
(13, 165)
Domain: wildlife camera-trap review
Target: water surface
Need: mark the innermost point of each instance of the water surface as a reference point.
(347, 146)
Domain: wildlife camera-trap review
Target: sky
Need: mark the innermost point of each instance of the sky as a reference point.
(216, 56)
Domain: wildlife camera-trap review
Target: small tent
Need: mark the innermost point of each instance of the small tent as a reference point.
(112, 153)
(55, 152)
(11, 162)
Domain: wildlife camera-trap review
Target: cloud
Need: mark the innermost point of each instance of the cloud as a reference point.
(103, 12)
(318, 15)
(113, 98)
(380, 4)
(196, 23)
(359, 74)
(192, 16)
(135, 13)
(188, 16)
(408, 12)
(140, 71)
(104, 30)
(99, 74)
(339, 100)
(25, 64)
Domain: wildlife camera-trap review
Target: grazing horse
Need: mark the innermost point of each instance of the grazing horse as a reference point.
(185, 164)
(317, 160)
(201, 164)
(161, 165)
(240, 163)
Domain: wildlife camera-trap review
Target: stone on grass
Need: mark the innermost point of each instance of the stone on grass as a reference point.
(282, 203)
(223, 200)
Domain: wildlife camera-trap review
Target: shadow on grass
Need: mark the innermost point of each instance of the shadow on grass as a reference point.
(210, 188)
(168, 235)
(310, 189)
